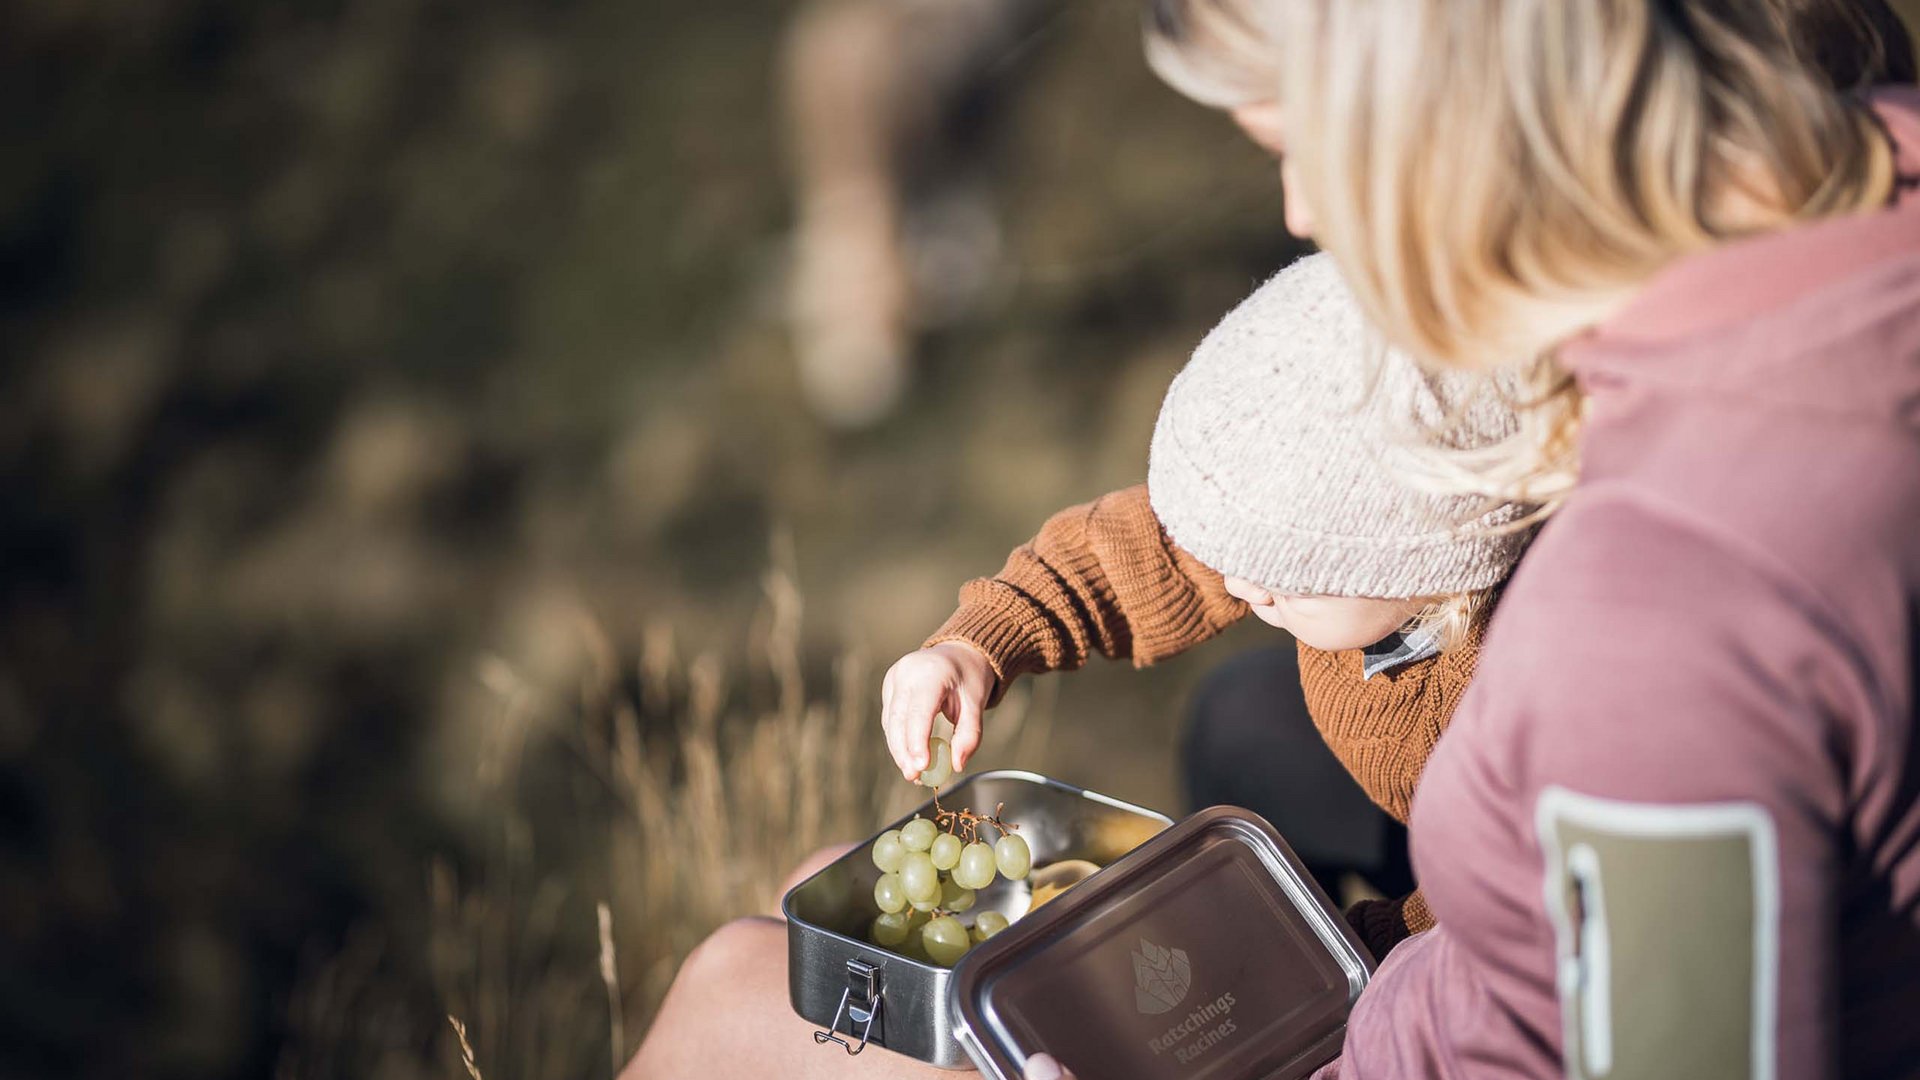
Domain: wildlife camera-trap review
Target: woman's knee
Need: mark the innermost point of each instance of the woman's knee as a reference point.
(742, 945)
(740, 966)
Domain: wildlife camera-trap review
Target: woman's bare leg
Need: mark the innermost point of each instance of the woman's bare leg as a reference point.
(726, 1016)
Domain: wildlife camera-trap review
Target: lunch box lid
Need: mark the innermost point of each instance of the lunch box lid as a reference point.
(1208, 951)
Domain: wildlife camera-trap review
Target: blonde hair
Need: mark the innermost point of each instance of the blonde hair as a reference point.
(1494, 175)
(1217, 52)
(1536, 466)
(1453, 620)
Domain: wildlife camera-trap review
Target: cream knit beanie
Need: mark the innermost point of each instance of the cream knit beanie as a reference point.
(1274, 458)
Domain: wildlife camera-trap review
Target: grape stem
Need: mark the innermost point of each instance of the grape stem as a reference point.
(966, 824)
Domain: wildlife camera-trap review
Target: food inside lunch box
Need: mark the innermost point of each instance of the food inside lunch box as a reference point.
(896, 996)
(933, 869)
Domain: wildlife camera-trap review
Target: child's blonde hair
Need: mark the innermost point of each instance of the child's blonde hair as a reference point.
(1452, 620)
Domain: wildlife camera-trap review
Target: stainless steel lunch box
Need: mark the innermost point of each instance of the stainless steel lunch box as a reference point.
(860, 993)
(1203, 950)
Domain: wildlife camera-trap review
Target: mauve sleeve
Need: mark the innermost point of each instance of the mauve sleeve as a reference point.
(1661, 731)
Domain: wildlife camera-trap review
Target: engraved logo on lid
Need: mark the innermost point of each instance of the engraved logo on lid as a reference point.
(1160, 977)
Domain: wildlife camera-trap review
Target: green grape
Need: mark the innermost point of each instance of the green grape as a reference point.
(976, 866)
(953, 897)
(889, 929)
(916, 921)
(1013, 857)
(918, 834)
(920, 878)
(986, 924)
(945, 851)
(889, 893)
(945, 940)
(939, 768)
(925, 905)
(888, 851)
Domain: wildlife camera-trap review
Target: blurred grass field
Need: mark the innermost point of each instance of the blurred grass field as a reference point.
(397, 433)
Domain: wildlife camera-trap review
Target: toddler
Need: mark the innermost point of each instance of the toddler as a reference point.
(1271, 489)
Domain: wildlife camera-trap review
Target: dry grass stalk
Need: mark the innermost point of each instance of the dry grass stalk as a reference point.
(466, 1048)
(610, 976)
(503, 958)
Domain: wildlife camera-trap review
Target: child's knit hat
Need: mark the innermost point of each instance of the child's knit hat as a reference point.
(1281, 449)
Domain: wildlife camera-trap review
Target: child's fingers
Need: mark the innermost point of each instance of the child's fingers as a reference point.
(890, 724)
(907, 715)
(911, 723)
(966, 728)
(916, 727)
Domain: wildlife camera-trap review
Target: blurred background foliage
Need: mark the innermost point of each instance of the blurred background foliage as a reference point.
(410, 503)
(400, 432)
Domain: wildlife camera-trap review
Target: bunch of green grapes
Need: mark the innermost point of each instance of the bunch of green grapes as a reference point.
(931, 870)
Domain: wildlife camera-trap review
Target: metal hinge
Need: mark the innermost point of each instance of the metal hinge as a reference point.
(860, 1003)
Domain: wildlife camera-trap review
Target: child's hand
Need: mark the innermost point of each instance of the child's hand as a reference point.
(953, 678)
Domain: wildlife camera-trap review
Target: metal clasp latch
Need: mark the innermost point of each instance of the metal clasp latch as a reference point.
(860, 1003)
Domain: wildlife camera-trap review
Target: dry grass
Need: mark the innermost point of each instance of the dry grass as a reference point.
(752, 795)
(704, 803)
(466, 1048)
(610, 976)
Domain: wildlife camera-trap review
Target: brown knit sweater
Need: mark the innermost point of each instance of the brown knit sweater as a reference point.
(1104, 577)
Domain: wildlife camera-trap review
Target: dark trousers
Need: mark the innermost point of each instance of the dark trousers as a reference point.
(1250, 742)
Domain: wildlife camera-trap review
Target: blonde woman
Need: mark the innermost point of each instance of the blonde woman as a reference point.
(1673, 831)
(1675, 827)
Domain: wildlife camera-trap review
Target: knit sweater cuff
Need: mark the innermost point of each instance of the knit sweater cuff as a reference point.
(1415, 913)
(1378, 925)
(1382, 924)
(1005, 642)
